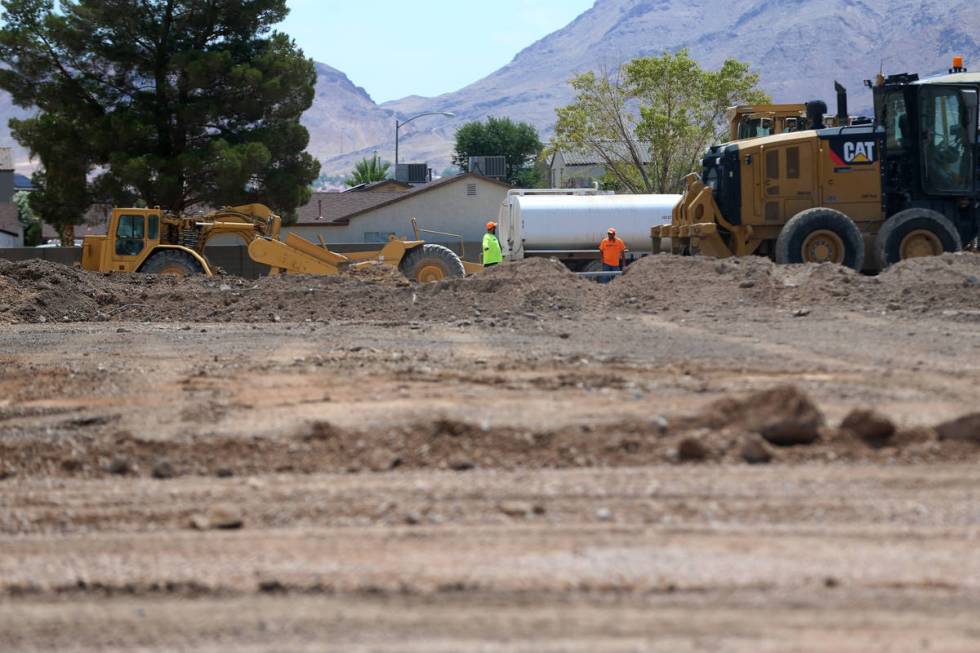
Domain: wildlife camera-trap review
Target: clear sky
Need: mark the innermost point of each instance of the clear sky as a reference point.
(395, 48)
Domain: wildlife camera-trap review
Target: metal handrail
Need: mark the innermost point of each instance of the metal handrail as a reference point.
(418, 231)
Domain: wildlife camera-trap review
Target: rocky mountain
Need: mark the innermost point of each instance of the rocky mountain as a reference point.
(799, 47)
(344, 118)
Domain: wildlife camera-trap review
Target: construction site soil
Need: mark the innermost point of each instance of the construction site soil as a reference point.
(702, 455)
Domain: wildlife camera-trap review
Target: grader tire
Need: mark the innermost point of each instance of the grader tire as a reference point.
(821, 235)
(912, 233)
(172, 262)
(432, 263)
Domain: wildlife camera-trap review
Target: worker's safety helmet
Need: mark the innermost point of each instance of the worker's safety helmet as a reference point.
(491, 225)
(611, 231)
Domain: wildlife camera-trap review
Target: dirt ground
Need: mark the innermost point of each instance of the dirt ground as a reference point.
(700, 456)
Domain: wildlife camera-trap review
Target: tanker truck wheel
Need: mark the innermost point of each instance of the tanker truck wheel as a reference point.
(821, 235)
(915, 232)
(595, 265)
(172, 262)
(431, 263)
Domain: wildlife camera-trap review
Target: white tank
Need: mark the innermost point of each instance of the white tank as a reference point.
(578, 222)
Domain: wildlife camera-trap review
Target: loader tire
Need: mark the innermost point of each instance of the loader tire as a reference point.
(912, 233)
(821, 235)
(432, 263)
(172, 262)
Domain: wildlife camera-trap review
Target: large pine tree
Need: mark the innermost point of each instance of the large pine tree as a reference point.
(173, 103)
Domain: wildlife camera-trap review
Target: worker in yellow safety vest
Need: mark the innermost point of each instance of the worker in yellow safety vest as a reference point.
(491, 246)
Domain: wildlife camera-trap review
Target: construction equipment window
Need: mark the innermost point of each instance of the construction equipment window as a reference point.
(946, 154)
(772, 164)
(897, 122)
(129, 235)
(153, 227)
(793, 163)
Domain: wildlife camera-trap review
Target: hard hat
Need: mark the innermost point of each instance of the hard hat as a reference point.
(491, 225)
(612, 230)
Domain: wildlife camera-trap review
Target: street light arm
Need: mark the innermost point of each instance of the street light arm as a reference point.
(399, 124)
(428, 113)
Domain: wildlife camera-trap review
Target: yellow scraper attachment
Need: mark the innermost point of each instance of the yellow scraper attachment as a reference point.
(296, 256)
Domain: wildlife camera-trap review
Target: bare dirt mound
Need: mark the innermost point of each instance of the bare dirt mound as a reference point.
(385, 275)
(40, 291)
(948, 282)
(698, 283)
(778, 425)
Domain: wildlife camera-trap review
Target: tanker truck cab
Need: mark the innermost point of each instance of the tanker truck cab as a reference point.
(866, 196)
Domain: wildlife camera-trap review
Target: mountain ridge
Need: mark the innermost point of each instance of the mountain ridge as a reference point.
(799, 47)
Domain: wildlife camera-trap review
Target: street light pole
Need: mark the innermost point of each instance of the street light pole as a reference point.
(399, 125)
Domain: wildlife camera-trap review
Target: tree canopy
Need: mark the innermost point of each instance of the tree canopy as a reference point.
(651, 120)
(163, 102)
(518, 142)
(368, 171)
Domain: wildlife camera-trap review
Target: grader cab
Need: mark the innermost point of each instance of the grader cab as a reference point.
(865, 196)
(157, 242)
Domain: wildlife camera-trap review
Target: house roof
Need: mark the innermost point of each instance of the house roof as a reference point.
(337, 208)
(591, 158)
(333, 207)
(8, 218)
(379, 186)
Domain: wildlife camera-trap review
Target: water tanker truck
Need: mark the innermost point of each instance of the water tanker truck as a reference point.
(568, 224)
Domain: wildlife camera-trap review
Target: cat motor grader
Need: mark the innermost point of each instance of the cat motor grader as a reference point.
(158, 242)
(865, 196)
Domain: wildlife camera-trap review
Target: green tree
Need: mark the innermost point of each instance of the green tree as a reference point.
(61, 192)
(368, 171)
(651, 121)
(517, 142)
(27, 219)
(174, 102)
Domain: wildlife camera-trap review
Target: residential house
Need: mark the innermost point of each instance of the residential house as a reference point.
(580, 169)
(6, 174)
(11, 231)
(461, 204)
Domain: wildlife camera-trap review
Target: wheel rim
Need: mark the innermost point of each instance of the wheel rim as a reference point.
(430, 272)
(823, 246)
(920, 242)
(175, 269)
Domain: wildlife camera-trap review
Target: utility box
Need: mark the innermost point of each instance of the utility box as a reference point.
(494, 167)
(413, 173)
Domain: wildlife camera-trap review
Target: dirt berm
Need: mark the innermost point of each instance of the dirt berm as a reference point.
(39, 291)
(778, 425)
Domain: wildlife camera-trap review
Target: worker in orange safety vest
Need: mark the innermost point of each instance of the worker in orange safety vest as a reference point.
(612, 249)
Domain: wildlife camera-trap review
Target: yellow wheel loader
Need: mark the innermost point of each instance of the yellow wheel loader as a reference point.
(865, 196)
(157, 242)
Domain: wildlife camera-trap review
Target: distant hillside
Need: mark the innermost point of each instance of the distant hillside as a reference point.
(798, 46)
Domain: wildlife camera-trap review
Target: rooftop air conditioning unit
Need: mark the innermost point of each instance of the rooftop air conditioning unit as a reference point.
(489, 166)
(412, 173)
